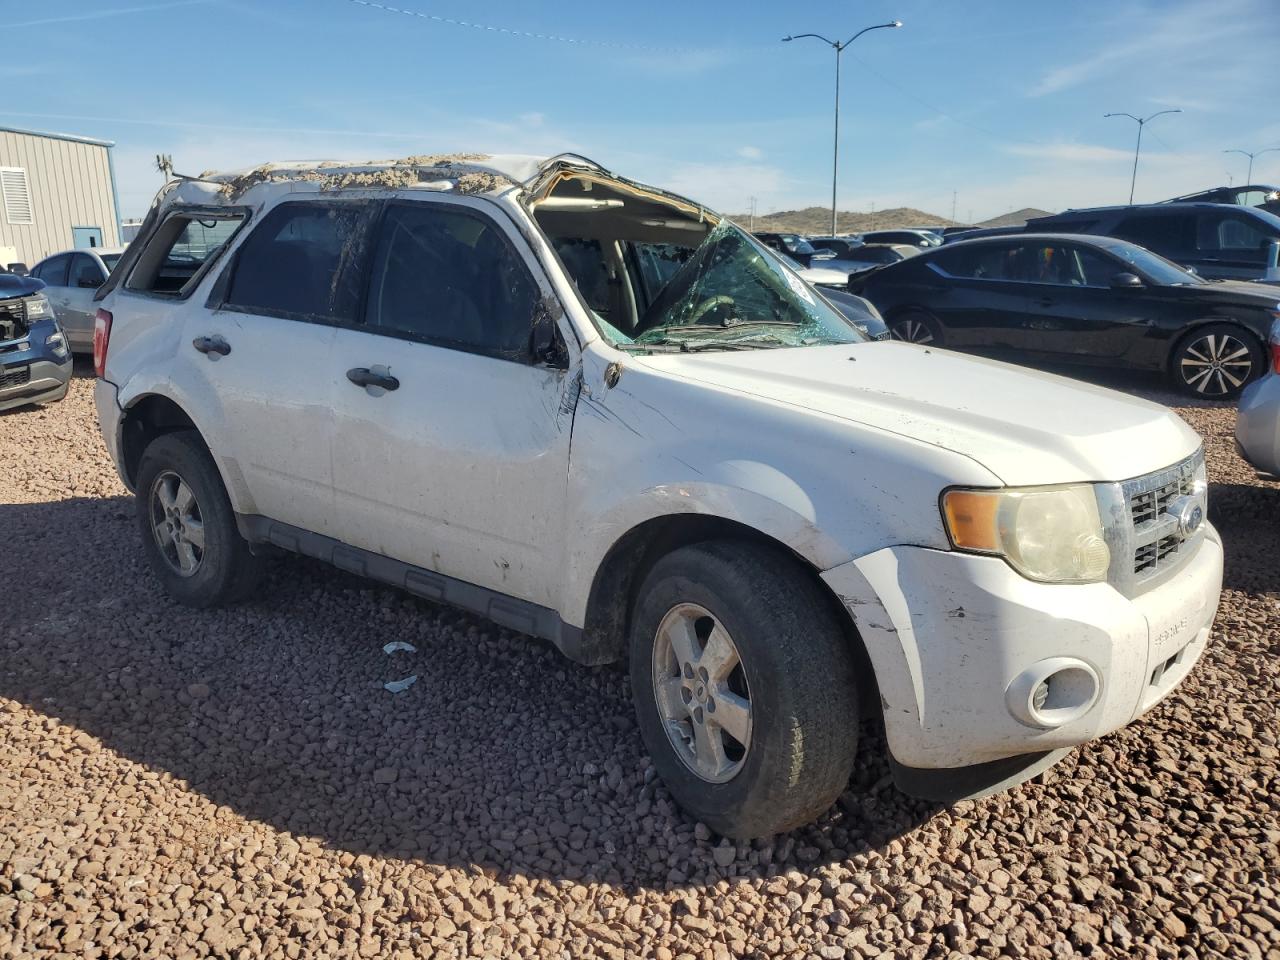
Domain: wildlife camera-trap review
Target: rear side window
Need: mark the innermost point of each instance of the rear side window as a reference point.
(987, 261)
(1240, 236)
(303, 260)
(450, 277)
(1158, 233)
(53, 271)
(178, 252)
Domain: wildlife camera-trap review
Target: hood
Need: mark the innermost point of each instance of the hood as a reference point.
(12, 285)
(1025, 426)
(1250, 292)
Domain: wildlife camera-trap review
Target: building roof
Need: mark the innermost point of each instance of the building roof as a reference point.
(74, 138)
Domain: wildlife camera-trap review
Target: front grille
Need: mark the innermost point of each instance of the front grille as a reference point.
(15, 377)
(1155, 538)
(12, 317)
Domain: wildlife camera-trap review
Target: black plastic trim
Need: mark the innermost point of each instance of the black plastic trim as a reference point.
(501, 608)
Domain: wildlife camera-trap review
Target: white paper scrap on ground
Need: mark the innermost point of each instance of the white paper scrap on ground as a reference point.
(400, 686)
(397, 645)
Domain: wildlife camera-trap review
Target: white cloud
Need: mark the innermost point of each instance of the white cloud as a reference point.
(750, 153)
(1069, 152)
(724, 187)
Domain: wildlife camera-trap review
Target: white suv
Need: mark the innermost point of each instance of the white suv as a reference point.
(598, 413)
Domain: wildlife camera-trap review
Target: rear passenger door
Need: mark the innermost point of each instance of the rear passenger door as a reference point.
(451, 447)
(74, 305)
(1231, 246)
(263, 354)
(976, 294)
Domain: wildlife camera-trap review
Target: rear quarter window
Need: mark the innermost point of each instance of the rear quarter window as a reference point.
(179, 252)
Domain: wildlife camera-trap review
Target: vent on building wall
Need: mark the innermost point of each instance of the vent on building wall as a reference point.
(17, 195)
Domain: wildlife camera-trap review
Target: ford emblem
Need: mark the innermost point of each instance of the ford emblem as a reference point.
(1188, 512)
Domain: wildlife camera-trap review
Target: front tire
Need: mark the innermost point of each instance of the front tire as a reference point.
(1216, 361)
(187, 525)
(916, 326)
(744, 687)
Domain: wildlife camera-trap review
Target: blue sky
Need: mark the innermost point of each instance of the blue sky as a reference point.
(996, 100)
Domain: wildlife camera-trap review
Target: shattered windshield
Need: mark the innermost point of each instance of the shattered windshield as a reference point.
(732, 294)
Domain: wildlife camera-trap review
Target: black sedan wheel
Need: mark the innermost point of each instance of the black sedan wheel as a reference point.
(916, 327)
(1216, 361)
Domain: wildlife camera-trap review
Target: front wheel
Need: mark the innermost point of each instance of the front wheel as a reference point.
(916, 326)
(1216, 361)
(744, 687)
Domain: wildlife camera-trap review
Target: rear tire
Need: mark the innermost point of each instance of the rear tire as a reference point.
(187, 525)
(755, 614)
(1216, 361)
(916, 326)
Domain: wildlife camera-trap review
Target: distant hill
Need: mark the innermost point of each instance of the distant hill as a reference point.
(1016, 219)
(817, 220)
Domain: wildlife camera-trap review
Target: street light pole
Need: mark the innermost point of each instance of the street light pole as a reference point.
(1248, 177)
(1142, 122)
(839, 47)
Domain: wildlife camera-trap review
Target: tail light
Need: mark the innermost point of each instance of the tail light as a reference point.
(101, 337)
(1275, 340)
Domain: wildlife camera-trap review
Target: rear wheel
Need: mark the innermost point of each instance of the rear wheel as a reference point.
(916, 326)
(188, 527)
(744, 688)
(1216, 361)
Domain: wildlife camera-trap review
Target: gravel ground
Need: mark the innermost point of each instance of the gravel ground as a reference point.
(237, 783)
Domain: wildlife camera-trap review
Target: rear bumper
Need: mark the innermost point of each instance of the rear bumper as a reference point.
(39, 381)
(960, 643)
(1258, 424)
(110, 421)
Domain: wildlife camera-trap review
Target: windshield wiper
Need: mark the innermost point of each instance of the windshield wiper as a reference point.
(673, 345)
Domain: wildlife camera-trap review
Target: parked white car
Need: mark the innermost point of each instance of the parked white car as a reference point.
(781, 525)
(71, 277)
(1258, 420)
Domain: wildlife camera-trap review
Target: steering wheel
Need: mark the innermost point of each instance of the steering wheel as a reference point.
(709, 304)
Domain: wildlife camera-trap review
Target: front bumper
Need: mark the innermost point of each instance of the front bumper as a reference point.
(959, 643)
(1258, 424)
(33, 381)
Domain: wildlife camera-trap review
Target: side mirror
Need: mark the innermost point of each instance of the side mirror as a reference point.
(1126, 281)
(545, 343)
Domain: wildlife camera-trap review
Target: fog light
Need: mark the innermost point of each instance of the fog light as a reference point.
(1054, 692)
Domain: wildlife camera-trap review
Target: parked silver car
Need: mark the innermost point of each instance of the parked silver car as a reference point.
(71, 277)
(1258, 421)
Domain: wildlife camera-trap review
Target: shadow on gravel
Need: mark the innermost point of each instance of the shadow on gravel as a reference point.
(503, 753)
(1248, 517)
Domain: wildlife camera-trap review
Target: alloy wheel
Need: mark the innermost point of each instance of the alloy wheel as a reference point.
(1215, 364)
(912, 331)
(177, 523)
(701, 692)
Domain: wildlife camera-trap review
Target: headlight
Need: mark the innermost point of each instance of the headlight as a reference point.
(1051, 534)
(58, 342)
(38, 306)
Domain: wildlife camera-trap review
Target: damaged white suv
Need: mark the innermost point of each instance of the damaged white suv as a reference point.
(600, 414)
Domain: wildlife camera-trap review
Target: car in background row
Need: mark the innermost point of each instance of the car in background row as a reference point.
(871, 256)
(910, 238)
(1220, 241)
(842, 247)
(1258, 420)
(1259, 195)
(1084, 299)
(71, 277)
(794, 246)
(35, 363)
(833, 285)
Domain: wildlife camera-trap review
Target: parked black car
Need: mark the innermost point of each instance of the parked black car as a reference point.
(1094, 300)
(842, 247)
(1259, 195)
(794, 246)
(910, 238)
(1221, 241)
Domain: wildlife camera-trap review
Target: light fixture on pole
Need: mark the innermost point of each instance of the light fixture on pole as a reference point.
(838, 47)
(1248, 177)
(1142, 122)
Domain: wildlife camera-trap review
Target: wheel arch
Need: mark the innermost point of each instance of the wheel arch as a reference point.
(1197, 325)
(612, 594)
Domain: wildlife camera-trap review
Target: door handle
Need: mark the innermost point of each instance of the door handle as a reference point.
(208, 345)
(364, 377)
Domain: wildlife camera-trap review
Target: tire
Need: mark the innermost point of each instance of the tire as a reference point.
(1216, 361)
(916, 326)
(794, 669)
(180, 492)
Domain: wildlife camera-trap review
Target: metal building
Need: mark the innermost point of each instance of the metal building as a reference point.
(57, 191)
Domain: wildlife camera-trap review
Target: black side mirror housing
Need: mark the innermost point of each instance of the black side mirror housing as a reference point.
(546, 346)
(1126, 281)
